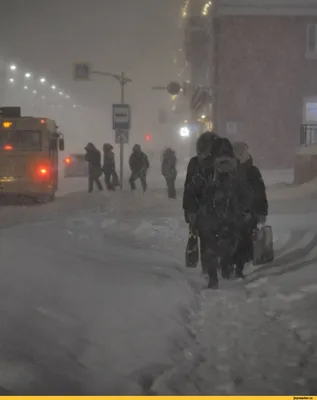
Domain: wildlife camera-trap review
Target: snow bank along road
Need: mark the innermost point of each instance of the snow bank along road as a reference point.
(95, 299)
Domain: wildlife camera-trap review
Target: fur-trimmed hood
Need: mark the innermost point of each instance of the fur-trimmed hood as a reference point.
(241, 152)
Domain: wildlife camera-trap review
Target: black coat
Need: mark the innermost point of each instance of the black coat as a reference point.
(139, 162)
(169, 162)
(256, 185)
(192, 186)
(108, 161)
(93, 157)
(190, 204)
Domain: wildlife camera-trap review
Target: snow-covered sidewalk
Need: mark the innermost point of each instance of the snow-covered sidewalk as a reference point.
(101, 278)
(255, 337)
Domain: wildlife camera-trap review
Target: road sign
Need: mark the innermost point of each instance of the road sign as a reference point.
(82, 71)
(121, 116)
(121, 136)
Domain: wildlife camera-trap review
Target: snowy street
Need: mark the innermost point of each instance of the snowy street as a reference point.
(95, 299)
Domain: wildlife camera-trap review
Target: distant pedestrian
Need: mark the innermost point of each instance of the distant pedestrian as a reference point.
(139, 165)
(169, 171)
(109, 167)
(93, 157)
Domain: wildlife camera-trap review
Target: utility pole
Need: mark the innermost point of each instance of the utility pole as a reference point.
(123, 80)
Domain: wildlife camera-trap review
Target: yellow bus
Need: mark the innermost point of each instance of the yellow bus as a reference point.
(28, 155)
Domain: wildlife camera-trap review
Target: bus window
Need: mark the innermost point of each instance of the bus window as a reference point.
(21, 140)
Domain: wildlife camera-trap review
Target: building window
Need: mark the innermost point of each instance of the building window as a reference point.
(311, 48)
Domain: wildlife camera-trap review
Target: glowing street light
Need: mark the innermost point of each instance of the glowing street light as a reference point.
(34, 92)
(53, 87)
(27, 75)
(13, 67)
(43, 80)
(25, 88)
(60, 93)
(11, 80)
(184, 131)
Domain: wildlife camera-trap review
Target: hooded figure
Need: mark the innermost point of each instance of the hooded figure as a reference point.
(93, 157)
(139, 165)
(221, 200)
(258, 210)
(169, 171)
(109, 167)
(206, 149)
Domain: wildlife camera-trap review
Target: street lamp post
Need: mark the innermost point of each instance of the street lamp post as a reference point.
(123, 80)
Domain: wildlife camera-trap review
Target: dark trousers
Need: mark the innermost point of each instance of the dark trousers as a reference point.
(109, 184)
(244, 250)
(91, 180)
(138, 175)
(111, 178)
(217, 253)
(171, 191)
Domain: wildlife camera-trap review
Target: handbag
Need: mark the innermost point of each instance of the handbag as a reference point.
(192, 249)
(262, 240)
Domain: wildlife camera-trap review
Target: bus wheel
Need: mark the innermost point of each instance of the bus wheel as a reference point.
(39, 199)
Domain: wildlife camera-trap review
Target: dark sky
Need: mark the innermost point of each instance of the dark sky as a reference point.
(137, 36)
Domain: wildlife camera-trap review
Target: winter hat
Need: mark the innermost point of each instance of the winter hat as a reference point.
(241, 152)
(107, 147)
(224, 148)
(89, 146)
(204, 143)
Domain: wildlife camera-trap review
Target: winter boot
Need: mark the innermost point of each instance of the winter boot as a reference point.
(239, 271)
(213, 278)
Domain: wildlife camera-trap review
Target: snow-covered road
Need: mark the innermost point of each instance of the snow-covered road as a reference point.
(95, 299)
(89, 301)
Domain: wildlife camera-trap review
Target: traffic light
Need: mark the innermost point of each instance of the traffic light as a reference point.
(148, 137)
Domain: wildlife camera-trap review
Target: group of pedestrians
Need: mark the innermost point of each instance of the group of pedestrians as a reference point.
(224, 200)
(138, 161)
(96, 168)
(224, 197)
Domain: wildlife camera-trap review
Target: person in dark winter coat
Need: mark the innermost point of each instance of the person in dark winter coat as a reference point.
(139, 165)
(109, 167)
(221, 200)
(93, 157)
(259, 206)
(169, 171)
(206, 147)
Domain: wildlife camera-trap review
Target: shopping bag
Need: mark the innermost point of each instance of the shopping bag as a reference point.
(262, 240)
(192, 249)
